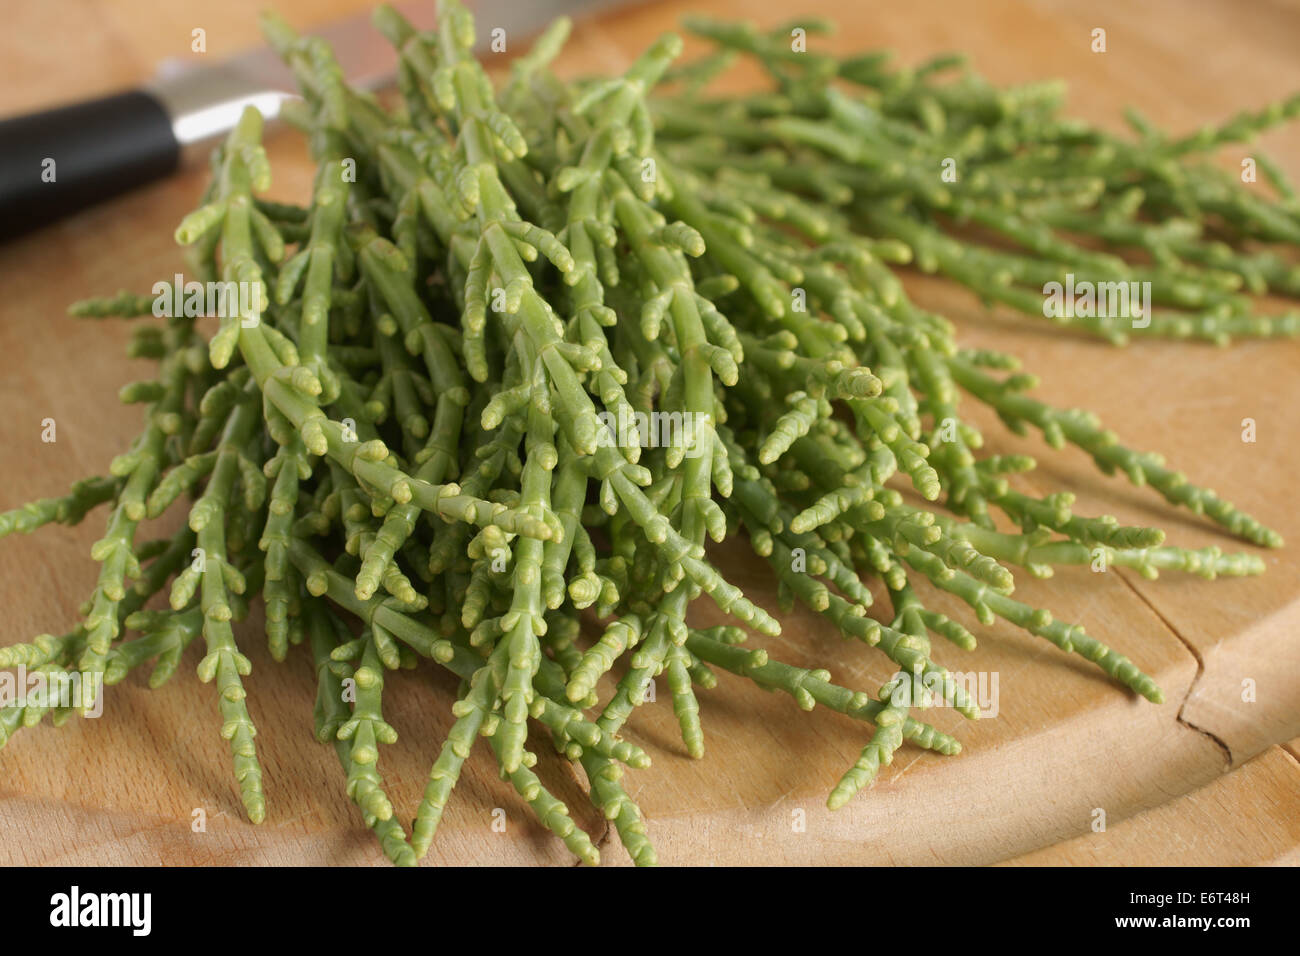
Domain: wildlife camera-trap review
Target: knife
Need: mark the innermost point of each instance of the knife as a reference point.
(57, 162)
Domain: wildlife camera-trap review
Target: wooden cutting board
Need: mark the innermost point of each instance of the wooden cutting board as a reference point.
(1065, 743)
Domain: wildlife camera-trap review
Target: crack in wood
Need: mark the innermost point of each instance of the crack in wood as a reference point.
(1200, 669)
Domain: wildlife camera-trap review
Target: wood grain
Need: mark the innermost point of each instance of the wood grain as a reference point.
(1065, 742)
(1242, 818)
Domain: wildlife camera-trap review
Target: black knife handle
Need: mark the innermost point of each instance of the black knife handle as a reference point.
(99, 149)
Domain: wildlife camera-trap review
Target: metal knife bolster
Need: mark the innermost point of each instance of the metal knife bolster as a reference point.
(204, 104)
